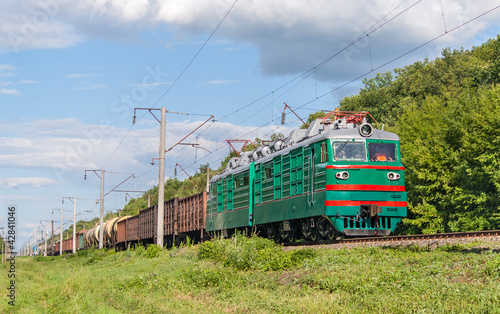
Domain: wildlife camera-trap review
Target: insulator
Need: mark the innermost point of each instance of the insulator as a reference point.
(283, 115)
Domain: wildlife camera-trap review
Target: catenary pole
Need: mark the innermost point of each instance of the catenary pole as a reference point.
(45, 244)
(52, 238)
(74, 224)
(61, 241)
(101, 210)
(161, 180)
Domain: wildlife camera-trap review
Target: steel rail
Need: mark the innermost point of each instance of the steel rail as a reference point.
(417, 237)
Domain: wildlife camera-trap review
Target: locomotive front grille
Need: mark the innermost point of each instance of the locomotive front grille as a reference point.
(367, 223)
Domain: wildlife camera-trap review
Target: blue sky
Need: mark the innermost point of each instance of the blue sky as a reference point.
(72, 72)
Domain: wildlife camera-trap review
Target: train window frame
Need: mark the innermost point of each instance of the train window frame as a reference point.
(324, 153)
(382, 152)
(340, 147)
(268, 173)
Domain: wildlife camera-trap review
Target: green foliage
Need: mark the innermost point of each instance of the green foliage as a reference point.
(447, 114)
(173, 188)
(139, 249)
(459, 278)
(313, 117)
(385, 96)
(150, 251)
(427, 219)
(451, 153)
(93, 256)
(493, 267)
(243, 252)
(153, 251)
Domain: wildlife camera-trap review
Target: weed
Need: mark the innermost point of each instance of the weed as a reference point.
(153, 251)
(253, 252)
(139, 249)
(452, 247)
(247, 274)
(493, 267)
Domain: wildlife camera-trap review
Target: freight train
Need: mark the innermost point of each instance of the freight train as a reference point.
(338, 177)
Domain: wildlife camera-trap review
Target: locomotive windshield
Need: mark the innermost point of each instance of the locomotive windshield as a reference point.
(382, 151)
(349, 150)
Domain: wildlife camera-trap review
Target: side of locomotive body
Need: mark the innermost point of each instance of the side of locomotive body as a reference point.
(335, 178)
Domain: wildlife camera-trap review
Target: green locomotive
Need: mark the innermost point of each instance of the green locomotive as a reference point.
(339, 177)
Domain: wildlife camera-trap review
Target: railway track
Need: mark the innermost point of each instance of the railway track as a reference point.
(402, 238)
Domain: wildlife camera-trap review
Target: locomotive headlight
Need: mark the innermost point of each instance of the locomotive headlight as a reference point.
(365, 129)
(344, 175)
(393, 176)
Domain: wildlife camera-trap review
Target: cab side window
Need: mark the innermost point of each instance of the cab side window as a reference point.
(324, 152)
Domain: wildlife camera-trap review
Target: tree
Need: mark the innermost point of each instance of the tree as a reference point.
(313, 117)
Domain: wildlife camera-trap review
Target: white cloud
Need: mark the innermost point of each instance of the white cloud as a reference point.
(22, 82)
(9, 91)
(35, 30)
(83, 75)
(148, 84)
(91, 87)
(35, 182)
(30, 225)
(69, 144)
(291, 36)
(6, 70)
(218, 82)
(66, 145)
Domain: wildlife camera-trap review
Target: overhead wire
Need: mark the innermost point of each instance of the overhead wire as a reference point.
(175, 81)
(402, 55)
(167, 91)
(384, 64)
(311, 71)
(301, 77)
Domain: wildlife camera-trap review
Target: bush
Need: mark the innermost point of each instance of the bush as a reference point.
(153, 251)
(253, 252)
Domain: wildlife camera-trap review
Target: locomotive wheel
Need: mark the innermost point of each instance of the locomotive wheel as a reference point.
(271, 231)
(314, 234)
(289, 235)
(305, 228)
(322, 228)
(331, 232)
(309, 230)
(281, 233)
(326, 230)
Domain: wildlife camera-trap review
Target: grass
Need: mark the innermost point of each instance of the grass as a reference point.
(254, 275)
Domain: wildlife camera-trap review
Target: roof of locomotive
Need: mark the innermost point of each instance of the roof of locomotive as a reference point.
(316, 132)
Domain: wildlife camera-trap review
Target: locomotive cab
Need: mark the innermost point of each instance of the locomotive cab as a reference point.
(365, 186)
